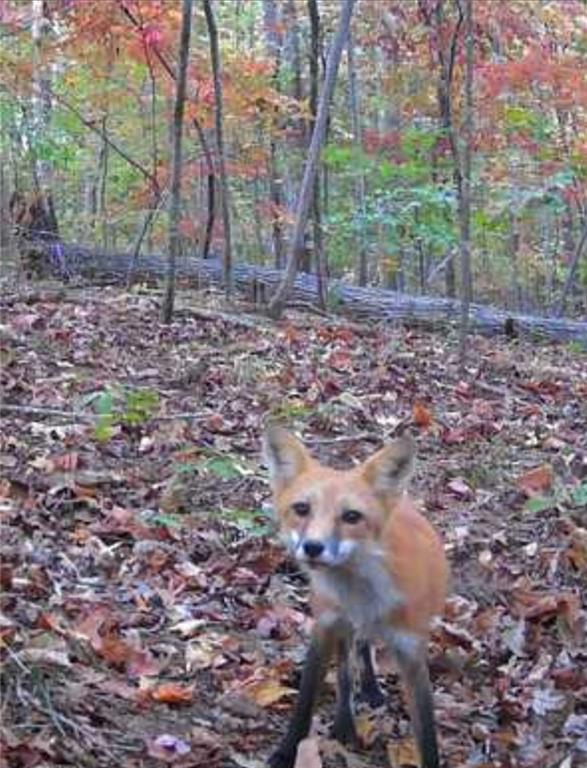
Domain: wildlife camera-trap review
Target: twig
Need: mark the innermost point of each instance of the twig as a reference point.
(343, 438)
(86, 418)
(39, 411)
(14, 656)
(211, 315)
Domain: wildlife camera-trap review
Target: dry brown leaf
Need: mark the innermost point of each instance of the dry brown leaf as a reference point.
(266, 692)
(421, 415)
(577, 551)
(536, 481)
(402, 753)
(173, 693)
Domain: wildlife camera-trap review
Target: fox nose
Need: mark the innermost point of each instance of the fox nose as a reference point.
(313, 548)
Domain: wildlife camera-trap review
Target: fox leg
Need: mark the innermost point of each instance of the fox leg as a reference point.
(344, 723)
(370, 688)
(324, 641)
(411, 657)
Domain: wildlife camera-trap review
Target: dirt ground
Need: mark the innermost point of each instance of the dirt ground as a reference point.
(149, 615)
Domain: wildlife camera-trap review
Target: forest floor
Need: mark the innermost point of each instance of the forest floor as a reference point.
(149, 615)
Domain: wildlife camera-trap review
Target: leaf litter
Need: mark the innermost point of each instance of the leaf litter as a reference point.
(149, 615)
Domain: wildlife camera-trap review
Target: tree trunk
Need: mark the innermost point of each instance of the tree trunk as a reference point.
(446, 61)
(277, 303)
(211, 186)
(219, 120)
(319, 255)
(362, 271)
(42, 100)
(272, 38)
(465, 196)
(362, 303)
(175, 188)
(574, 265)
(292, 50)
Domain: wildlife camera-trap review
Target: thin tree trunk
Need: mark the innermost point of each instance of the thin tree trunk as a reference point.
(42, 100)
(175, 189)
(574, 265)
(211, 186)
(293, 53)
(219, 120)
(446, 61)
(272, 38)
(362, 271)
(277, 303)
(316, 203)
(465, 196)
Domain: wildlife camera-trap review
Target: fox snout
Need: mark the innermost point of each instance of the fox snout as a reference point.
(329, 551)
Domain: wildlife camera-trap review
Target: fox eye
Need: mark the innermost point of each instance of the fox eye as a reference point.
(301, 508)
(351, 516)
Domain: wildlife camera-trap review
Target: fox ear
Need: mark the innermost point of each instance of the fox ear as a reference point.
(286, 456)
(390, 469)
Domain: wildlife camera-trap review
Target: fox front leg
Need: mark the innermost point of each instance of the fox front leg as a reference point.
(299, 726)
(412, 661)
(344, 723)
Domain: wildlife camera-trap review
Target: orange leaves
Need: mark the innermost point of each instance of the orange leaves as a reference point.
(100, 629)
(541, 605)
(173, 693)
(266, 692)
(536, 481)
(264, 686)
(421, 415)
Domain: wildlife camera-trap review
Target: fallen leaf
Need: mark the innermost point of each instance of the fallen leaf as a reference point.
(266, 692)
(460, 489)
(577, 551)
(173, 693)
(536, 480)
(45, 656)
(402, 752)
(339, 360)
(421, 415)
(546, 700)
(188, 628)
(168, 748)
(576, 725)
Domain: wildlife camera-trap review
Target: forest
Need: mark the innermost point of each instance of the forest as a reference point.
(360, 221)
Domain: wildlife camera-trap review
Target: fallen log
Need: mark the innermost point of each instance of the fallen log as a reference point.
(361, 303)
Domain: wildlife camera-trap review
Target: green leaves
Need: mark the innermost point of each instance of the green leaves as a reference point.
(126, 406)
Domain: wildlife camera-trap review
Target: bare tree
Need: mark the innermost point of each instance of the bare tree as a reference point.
(175, 197)
(273, 41)
(354, 103)
(465, 186)
(277, 303)
(219, 120)
(320, 259)
(573, 267)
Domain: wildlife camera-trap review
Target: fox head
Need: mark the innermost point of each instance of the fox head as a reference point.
(328, 517)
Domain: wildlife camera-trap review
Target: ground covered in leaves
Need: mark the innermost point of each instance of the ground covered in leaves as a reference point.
(148, 615)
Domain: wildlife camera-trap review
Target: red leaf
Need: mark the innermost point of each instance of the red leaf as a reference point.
(421, 415)
(536, 480)
(173, 693)
(339, 360)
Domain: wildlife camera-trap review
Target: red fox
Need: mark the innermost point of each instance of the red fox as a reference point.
(377, 570)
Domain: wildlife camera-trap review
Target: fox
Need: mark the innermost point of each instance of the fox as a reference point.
(378, 572)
